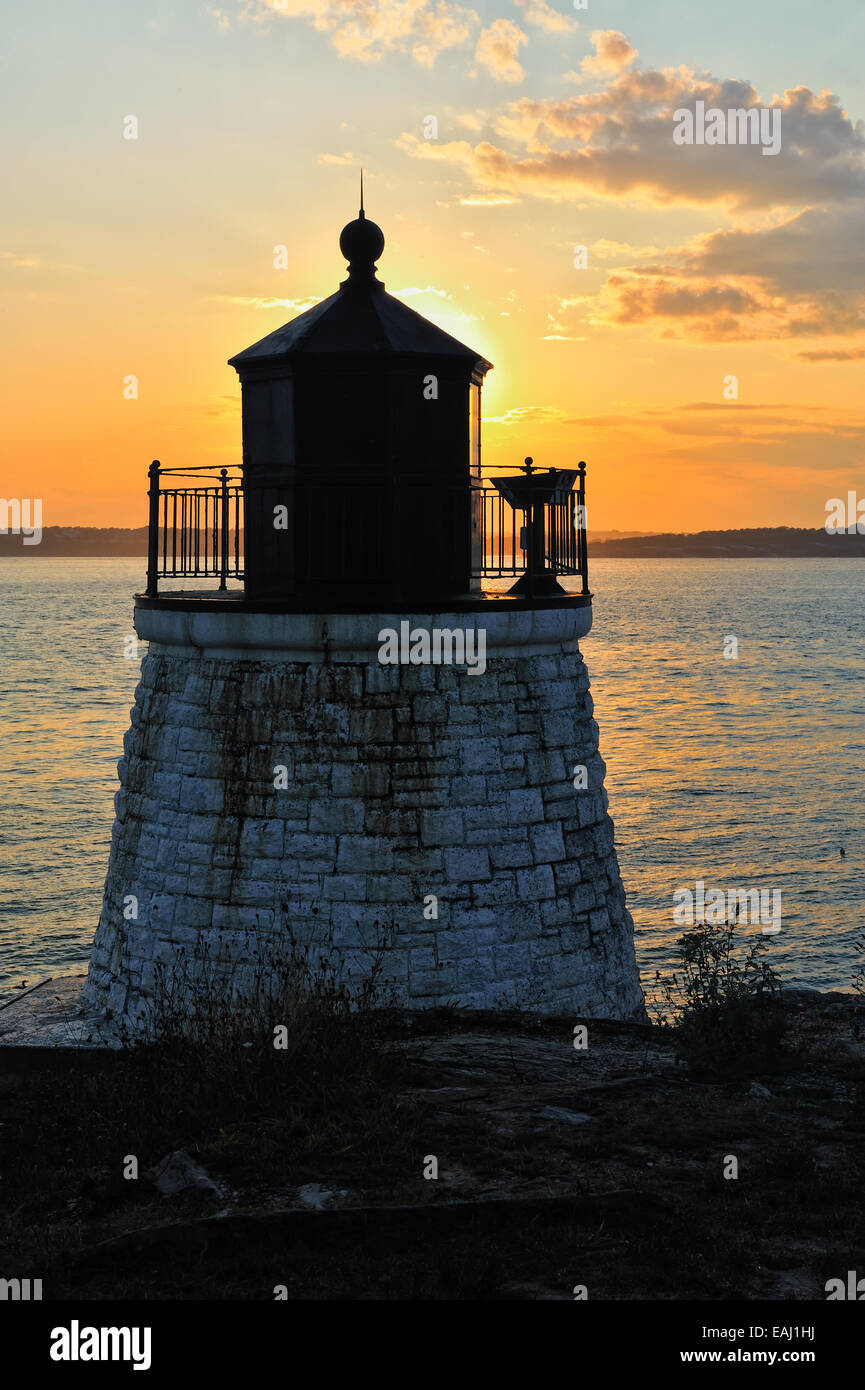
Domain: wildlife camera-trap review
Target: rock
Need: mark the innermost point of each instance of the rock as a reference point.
(177, 1172)
(313, 1195)
(568, 1117)
(761, 1092)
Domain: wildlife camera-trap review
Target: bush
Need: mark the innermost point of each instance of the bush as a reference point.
(724, 1005)
(859, 973)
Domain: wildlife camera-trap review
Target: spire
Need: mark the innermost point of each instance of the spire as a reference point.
(361, 242)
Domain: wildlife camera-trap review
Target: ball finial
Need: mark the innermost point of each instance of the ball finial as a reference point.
(361, 242)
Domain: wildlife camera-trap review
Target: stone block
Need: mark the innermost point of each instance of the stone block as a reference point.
(468, 791)
(547, 843)
(466, 865)
(512, 855)
(442, 828)
(345, 888)
(200, 795)
(481, 755)
(262, 838)
(426, 864)
(390, 888)
(525, 806)
(358, 853)
(336, 815)
(535, 884)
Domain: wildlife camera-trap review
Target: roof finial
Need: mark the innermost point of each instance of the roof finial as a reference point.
(361, 242)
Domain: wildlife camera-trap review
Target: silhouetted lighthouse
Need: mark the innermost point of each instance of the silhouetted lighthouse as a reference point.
(363, 748)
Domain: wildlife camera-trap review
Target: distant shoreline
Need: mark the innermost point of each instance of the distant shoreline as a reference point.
(778, 542)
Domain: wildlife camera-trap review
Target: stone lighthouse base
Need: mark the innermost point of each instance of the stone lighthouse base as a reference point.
(281, 785)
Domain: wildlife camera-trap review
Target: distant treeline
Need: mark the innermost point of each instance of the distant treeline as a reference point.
(81, 540)
(755, 541)
(765, 541)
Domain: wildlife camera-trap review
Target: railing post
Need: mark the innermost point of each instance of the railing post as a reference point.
(223, 565)
(535, 521)
(153, 531)
(582, 532)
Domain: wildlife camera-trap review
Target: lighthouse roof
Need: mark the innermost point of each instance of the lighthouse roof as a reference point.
(360, 317)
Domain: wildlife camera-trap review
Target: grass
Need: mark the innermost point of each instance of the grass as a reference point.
(210, 1081)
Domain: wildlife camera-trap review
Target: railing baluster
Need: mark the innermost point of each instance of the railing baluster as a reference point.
(153, 531)
(583, 528)
(237, 531)
(223, 568)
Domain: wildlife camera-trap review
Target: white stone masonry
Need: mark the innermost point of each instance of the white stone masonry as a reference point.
(402, 783)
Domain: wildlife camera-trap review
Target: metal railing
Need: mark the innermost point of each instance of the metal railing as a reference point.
(194, 532)
(505, 533)
(196, 526)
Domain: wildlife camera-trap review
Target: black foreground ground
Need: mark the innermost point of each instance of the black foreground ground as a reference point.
(557, 1167)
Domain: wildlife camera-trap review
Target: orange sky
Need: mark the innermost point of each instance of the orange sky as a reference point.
(153, 257)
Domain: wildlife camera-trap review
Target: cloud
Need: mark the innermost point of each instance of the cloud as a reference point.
(527, 414)
(543, 16)
(346, 158)
(613, 53)
(714, 307)
(428, 289)
(786, 447)
(801, 277)
(365, 30)
(833, 355)
(617, 142)
(262, 302)
(818, 249)
(222, 20)
(488, 200)
(498, 49)
(795, 269)
(20, 262)
(606, 250)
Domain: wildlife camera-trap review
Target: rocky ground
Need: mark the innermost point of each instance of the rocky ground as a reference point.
(601, 1166)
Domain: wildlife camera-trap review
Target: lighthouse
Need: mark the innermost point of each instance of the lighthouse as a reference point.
(352, 739)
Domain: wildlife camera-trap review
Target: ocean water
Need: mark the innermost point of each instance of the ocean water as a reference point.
(745, 772)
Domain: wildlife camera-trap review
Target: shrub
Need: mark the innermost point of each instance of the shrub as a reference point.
(859, 973)
(724, 1005)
